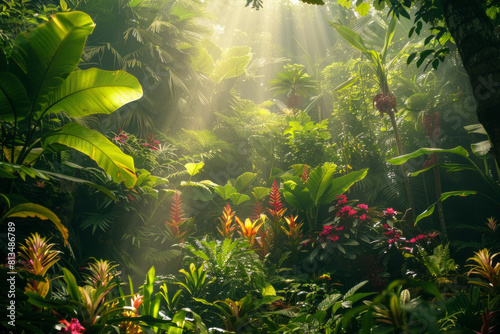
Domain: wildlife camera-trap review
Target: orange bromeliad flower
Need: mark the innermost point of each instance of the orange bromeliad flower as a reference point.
(249, 229)
(294, 231)
(226, 222)
(176, 218)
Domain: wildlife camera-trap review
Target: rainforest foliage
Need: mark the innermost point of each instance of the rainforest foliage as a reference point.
(184, 166)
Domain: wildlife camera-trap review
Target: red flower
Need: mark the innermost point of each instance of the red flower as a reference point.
(363, 206)
(120, 136)
(352, 212)
(339, 228)
(72, 327)
(390, 212)
(364, 217)
(333, 238)
(130, 197)
(326, 230)
(386, 226)
(275, 197)
(343, 210)
(412, 240)
(342, 200)
(151, 143)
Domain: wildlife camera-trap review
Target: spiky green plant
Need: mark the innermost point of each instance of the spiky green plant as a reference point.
(37, 258)
(484, 267)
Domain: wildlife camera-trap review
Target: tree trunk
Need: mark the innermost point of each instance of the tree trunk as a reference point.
(479, 49)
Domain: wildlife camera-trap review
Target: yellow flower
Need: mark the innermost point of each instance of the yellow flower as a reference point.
(249, 229)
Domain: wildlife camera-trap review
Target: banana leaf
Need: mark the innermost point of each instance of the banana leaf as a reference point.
(107, 155)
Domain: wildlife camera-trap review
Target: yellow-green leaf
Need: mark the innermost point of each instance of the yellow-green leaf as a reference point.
(25, 210)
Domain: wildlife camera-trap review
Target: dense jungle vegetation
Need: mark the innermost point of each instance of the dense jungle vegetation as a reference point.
(292, 166)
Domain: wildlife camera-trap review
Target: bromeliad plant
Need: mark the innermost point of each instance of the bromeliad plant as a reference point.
(37, 258)
(483, 265)
(249, 228)
(227, 227)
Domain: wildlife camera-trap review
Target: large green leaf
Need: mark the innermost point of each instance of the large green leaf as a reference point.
(441, 198)
(93, 91)
(238, 198)
(259, 193)
(341, 184)
(203, 62)
(225, 192)
(232, 64)
(297, 195)
(14, 101)
(46, 55)
(244, 180)
(194, 168)
(107, 155)
(447, 167)
(319, 180)
(71, 285)
(25, 210)
(404, 158)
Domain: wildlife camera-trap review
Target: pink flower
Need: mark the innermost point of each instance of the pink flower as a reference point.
(339, 228)
(412, 240)
(419, 237)
(364, 217)
(390, 241)
(72, 327)
(390, 212)
(342, 199)
(333, 238)
(326, 230)
(352, 212)
(363, 206)
(386, 226)
(343, 210)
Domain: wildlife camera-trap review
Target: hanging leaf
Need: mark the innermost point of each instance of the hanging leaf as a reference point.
(404, 158)
(25, 210)
(108, 156)
(441, 198)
